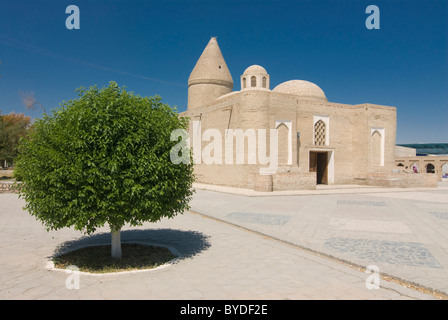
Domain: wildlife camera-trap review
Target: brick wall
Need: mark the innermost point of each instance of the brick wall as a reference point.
(403, 180)
(294, 181)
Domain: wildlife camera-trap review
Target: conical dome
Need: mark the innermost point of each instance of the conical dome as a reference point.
(210, 78)
(211, 67)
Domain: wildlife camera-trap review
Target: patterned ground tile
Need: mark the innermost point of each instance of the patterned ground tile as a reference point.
(362, 203)
(375, 251)
(370, 225)
(440, 215)
(269, 219)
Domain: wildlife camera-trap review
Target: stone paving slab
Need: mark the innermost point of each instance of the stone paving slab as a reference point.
(404, 233)
(220, 261)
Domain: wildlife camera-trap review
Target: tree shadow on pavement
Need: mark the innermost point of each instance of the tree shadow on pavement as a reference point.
(186, 243)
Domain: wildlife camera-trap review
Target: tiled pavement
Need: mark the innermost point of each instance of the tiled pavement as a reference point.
(404, 233)
(261, 260)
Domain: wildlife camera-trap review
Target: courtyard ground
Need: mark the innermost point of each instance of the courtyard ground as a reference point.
(235, 244)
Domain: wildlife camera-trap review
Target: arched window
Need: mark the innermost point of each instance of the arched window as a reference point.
(430, 168)
(253, 81)
(319, 133)
(445, 168)
(244, 83)
(263, 82)
(376, 148)
(283, 133)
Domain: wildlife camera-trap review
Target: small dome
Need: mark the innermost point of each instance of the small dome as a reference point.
(255, 70)
(302, 88)
(255, 77)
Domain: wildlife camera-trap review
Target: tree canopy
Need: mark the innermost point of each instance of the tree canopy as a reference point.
(104, 158)
(13, 126)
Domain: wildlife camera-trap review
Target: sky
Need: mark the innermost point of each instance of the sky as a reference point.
(151, 47)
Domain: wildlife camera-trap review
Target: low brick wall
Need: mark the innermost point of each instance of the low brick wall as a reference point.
(403, 180)
(9, 187)
(283, 181)
(294, 181)
(263, 183)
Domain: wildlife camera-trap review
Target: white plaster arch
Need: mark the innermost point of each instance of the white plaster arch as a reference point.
(288, 125)
(381, 132)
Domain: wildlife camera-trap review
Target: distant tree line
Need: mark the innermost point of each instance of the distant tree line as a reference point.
(13, 126)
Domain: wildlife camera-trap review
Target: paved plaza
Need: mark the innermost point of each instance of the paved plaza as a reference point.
(235, 244)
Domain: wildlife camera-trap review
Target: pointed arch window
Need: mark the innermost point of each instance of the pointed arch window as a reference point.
(263, 82)
(244, 83)
(320, 133)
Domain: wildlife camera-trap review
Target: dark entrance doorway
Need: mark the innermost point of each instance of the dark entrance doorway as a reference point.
(319, 164)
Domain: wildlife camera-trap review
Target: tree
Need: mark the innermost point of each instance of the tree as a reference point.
(104, 158)
(30, 101)
(3, 141)
(13, 126)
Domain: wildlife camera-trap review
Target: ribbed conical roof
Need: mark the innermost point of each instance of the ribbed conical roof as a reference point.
(211, 67)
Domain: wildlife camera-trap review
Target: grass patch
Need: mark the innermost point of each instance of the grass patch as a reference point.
(97, 259)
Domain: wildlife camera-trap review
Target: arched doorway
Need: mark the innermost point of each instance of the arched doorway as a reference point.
(445, 168)
(430, 168)
(445, 172)
(319, 163)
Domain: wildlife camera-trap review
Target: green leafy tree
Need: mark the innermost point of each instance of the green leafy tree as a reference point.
(104, 158)
(3, 139)
(13, 126)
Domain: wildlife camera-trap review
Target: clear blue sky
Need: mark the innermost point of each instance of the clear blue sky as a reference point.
(152, 46)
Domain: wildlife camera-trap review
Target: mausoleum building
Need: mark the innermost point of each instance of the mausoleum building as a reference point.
(317, 141)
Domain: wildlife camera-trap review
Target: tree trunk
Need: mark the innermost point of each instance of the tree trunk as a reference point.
(115, 243)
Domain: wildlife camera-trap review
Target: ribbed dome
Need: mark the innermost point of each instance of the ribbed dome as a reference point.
(302, 88)
(255, 70)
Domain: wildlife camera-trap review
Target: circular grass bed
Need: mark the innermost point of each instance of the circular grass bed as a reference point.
(97, 259)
